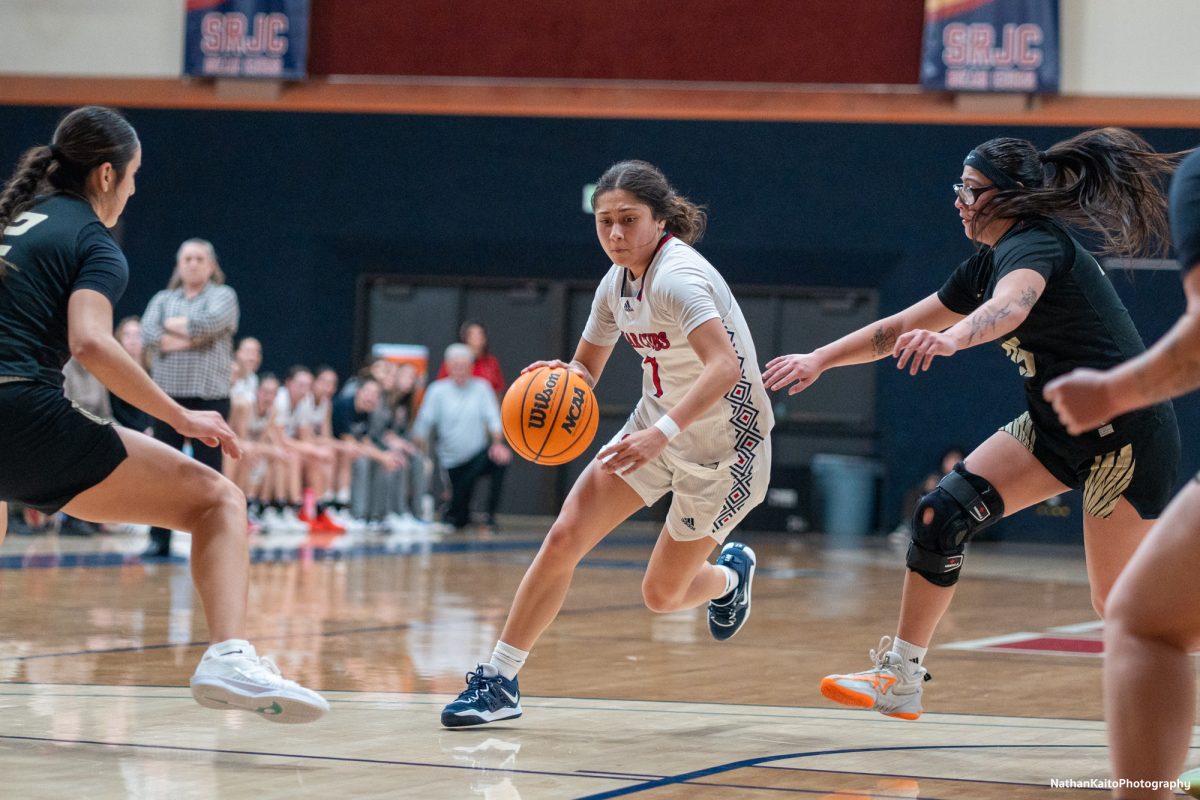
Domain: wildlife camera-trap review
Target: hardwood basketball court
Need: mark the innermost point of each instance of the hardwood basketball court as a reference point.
(620, 702)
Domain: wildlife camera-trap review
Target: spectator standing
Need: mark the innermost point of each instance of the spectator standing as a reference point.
(462, 412)
(189, 330)
(474, 335)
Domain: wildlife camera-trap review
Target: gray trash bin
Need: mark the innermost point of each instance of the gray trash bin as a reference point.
(846, 485)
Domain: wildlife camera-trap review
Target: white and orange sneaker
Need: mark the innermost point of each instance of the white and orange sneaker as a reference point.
(892, 688)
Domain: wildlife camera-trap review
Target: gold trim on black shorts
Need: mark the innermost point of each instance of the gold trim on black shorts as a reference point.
(1022, 430)
(1108, 479)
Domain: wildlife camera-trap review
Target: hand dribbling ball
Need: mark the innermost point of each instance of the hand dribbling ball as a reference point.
(549, 415)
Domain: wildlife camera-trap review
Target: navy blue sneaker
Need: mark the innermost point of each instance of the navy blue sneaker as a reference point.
(727, 614)
(486, 699)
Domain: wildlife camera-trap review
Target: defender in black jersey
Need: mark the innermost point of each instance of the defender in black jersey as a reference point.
(60, 275)
(1034, 290)
(1153, 618)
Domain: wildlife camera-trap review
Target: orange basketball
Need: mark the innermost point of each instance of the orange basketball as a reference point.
(549, 415)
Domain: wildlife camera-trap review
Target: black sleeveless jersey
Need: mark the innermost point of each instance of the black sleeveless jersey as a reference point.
(56, 247)
(1079, 321)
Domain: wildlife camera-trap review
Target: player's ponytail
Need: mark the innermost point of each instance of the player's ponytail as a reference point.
(21, 188)
(1107, 180)
(646, 182)
(86, 138)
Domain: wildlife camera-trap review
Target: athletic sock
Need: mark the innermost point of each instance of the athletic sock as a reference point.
(731, 582)
(228, 647)
(508, 660)
(909, 653)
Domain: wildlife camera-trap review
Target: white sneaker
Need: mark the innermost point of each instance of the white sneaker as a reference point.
(892, 688)
(232, 676)
(272, 520)
(347, 520)
(291, 522)
(401, 523)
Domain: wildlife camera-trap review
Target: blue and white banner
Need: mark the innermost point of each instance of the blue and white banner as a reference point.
(246, 38)
(991, 46)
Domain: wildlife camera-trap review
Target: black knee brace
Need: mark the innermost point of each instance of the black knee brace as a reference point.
(962, 504)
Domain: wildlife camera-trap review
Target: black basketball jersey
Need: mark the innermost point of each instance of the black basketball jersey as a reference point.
(1079, 321)
(54, 248)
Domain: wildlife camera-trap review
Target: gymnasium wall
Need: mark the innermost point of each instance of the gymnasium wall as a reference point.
(778, 41)
(299, 205)
(1110, 47)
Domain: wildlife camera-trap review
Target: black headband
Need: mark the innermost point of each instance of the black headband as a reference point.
(976, 160)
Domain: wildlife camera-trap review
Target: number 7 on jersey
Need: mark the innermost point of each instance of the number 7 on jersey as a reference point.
(653, 362)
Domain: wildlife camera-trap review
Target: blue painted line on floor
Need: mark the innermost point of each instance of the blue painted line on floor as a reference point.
(641, 784)
(685, 777)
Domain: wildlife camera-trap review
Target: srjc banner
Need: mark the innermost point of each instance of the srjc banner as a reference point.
(991, 46)
(246, 38)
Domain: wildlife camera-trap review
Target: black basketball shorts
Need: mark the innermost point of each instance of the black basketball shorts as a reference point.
(1137, 459)
(51, 450)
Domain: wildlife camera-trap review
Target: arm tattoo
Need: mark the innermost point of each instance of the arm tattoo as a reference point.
(984, 321)
(1028, 297)
(883, 340)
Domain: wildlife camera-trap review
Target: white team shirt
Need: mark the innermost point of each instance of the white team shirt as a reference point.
(679, 292)
(287, 417)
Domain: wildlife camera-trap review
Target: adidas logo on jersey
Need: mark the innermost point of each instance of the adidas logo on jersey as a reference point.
(628, 305)
(689, 523)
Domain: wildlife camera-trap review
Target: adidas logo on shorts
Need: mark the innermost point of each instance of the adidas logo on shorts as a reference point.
(689, 523)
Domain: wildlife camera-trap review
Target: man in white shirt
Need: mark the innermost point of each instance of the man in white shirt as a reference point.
(463, 413)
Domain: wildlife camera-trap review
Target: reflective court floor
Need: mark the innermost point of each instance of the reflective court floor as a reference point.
(619, 702)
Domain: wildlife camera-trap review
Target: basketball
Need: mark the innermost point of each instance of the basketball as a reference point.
(549, 415)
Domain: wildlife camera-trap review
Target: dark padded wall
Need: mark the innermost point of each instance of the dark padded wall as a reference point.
(299, 205)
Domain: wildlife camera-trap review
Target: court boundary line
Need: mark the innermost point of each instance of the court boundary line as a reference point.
(640, 784)
(688, 777)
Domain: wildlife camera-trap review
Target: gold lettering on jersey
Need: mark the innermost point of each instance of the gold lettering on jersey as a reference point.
(649, 341)
(1022, 358)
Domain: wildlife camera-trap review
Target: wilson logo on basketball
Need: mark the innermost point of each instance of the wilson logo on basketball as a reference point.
(541, 402)
(549, 415)
(574, 411)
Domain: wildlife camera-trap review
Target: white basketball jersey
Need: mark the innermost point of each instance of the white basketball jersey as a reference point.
(680, 291)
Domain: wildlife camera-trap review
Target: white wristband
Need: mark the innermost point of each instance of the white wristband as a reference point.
(667, 426)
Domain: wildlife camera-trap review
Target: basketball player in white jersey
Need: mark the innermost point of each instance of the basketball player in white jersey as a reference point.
(700, 431)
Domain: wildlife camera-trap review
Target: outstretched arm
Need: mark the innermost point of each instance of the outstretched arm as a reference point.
(1010, 304)
(1086, 399)
(869, 343)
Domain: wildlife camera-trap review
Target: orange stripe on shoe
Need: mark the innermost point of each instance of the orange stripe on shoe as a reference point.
(847, 697)
(903, 715)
